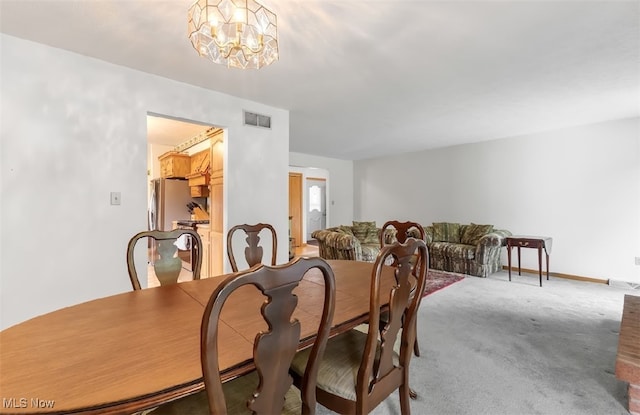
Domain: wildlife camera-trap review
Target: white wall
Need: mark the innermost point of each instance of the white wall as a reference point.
(153, 152)
(74, 129)
(579, 185)
(339, 184)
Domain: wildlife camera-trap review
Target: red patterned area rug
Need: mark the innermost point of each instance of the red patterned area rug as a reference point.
(437, 280)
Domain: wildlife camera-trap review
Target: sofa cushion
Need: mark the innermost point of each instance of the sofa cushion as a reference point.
(473, 232)
(460, 251)
(345, 229)
(446, 232)
(366, 232)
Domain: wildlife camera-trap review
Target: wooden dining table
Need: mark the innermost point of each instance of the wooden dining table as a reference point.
(132, 351)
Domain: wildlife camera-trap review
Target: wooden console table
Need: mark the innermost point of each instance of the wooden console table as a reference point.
(537, 242)
(628, 357)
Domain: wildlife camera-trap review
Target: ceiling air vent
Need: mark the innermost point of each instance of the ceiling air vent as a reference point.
(257, 120)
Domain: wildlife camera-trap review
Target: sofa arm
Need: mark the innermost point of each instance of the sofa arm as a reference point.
(321, 234)
(428, 234)
(337, 245)
(489, 246)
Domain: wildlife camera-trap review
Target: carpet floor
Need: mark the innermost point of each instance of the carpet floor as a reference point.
(494, 347)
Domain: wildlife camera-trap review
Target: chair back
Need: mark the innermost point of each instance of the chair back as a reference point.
(274, 350)
(403, 231)
(167, 253)
(382, 371)
(253, 253)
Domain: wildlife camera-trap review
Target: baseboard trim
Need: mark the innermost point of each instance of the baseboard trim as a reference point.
(559, 275)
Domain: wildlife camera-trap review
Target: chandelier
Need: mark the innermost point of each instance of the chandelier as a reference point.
(236, 33)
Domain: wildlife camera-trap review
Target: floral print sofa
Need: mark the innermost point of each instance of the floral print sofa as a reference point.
(466, 249)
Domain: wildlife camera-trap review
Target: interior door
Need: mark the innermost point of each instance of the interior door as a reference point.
(295, 207)
(317, 206)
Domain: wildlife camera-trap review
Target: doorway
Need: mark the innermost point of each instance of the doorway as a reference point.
(295, 208)
(200, 183)
(317, 208)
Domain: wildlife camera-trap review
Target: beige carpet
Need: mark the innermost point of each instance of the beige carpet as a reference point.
(490, 346)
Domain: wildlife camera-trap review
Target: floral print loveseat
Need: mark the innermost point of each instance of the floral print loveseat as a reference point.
(467, 249)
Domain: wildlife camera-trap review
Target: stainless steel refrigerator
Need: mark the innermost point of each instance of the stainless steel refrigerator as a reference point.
(168, 202)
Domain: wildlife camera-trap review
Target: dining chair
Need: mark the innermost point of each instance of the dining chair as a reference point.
(166, 252)
(403, 230)
(269, 388)
(359, 370)
(253, 253)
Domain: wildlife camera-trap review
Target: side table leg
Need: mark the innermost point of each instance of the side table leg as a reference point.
(547, 266)
(540, 264)
(509, 260)
(519, 270)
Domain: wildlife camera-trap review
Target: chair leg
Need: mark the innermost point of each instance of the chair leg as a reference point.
(405, 393)
(416, 351)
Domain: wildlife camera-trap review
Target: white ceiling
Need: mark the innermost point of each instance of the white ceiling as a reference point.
(170, 131)
(369, 78)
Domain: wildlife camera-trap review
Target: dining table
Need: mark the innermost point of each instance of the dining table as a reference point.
(136, 350)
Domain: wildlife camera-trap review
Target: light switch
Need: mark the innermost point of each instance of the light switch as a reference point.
(115, 198)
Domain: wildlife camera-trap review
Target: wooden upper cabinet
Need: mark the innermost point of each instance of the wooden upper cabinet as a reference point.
(199, 175)
(200, 162)
(174, 165)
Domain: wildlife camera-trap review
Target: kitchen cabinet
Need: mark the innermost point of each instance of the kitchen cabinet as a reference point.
(199, 174)
(199, 184)
(200, 162)
(174, 165)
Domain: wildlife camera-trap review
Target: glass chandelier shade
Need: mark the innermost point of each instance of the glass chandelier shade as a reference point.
(236, 33)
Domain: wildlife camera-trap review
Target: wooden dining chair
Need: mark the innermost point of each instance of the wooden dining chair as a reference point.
(253, 253)
(359, 370)
(166, 252)
(403, 230)
(268, 389)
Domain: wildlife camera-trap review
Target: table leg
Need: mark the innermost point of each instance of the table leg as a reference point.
(547, 266)
(540, 264)
(509, 260)
(519, 270)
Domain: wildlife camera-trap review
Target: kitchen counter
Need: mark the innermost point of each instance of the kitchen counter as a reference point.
(192, 223)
